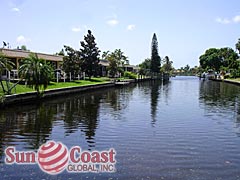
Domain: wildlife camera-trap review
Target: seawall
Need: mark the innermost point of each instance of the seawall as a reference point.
(32, 96)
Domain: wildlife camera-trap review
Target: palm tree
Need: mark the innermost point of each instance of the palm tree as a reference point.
(105, 54)
(167, 65)
(120, 57)
(36, 72)
(5, 64)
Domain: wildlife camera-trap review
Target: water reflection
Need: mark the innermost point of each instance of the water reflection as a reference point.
(27, 125)
(119, 98)
(155, 91)
(220, 97)
(188, 124)
(82, 112)
(159, 92)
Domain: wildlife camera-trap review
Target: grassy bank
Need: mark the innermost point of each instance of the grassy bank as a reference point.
(53, 85)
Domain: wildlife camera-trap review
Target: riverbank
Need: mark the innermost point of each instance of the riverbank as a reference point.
(29, 97)
(22, 88)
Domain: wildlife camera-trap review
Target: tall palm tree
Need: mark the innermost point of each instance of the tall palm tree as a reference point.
(36, 72)
(5, 64)
(105, 54)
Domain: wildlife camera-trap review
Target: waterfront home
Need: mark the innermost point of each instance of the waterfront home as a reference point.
(16, 55)
(126, 67)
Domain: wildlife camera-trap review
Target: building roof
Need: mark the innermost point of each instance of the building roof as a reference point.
(104, 62)
(13, 53)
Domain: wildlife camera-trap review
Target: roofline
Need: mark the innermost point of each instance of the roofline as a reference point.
(23, 51)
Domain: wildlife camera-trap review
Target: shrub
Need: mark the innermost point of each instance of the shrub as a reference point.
(129, 75)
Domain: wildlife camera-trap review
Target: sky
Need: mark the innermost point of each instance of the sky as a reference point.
(184, 29)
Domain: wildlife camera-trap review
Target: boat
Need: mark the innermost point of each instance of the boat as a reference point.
(121, 83)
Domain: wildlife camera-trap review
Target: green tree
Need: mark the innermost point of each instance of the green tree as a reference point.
(113, 65)
(238, 45)
(155, 58)
(36, 72)
(214, 58)
(120, 58)
(211, 59)
(72, 61)
(145, 67)
(105, 54)
(117, 60)
(89, 55)
(167, 66)
(187, 68)
(24, 48)
(5, 65)
(61, 53)
(229, 57)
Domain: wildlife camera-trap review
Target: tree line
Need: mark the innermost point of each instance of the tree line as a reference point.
(37, 73)
(222, 60)
(88, 57)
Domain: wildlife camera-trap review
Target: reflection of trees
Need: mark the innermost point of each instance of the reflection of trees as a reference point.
(38, 125)
(158, 91)
(155, 86)
(220, 96)
(29, 126)
(166, 90)
(82, 112)
(120, 97)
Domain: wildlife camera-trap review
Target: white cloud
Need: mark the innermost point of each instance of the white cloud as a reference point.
(22, 39)
(16, 9)
(76, 29)
(130, 27)
(236, 19)
(112, 22)
(223, 20)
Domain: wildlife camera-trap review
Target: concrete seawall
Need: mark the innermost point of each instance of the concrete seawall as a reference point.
(32, 96)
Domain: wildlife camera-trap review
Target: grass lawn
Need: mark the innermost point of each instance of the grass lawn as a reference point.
(53, 85)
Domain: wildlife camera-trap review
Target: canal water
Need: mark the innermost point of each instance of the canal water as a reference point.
(183, 129)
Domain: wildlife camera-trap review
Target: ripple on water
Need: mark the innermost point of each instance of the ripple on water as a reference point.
(185, 129)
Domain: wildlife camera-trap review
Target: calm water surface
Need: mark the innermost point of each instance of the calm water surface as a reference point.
(184, 129)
